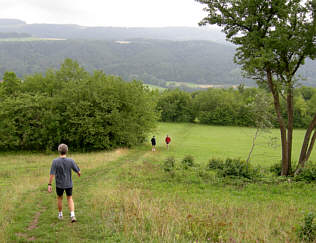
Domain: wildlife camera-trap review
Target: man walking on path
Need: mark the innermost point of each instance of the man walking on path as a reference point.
(153, 144)
(61, 169)
(168, 140)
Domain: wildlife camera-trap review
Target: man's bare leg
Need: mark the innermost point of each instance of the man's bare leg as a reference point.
(71, 206)
(60, 206)
(60, 203)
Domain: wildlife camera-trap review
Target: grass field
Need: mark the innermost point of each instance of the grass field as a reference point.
(125, 195)
(205, 142)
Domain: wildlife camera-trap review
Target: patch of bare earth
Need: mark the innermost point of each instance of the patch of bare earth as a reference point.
(32, 225)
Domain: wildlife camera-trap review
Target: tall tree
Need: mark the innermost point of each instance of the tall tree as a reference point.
(11, 83)
(274, 37)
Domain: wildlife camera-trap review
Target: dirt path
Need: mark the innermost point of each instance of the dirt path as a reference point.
(32, 225)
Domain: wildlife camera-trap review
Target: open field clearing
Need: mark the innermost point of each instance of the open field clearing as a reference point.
(126, 196)
(205, 142)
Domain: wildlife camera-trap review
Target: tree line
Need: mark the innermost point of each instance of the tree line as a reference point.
(232, 107)
(86, 111)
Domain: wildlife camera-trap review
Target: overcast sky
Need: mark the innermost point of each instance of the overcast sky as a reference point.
(130, 13)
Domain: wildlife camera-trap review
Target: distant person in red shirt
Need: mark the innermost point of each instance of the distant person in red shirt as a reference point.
(168, 140)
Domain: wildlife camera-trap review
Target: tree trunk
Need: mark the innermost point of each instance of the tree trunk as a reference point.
(307, 146)
(290, 115)
(311, 145)
(277, 107)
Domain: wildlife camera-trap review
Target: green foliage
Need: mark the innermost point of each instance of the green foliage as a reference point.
(251, 107)
(274, 34)
(307, 231)
(276, 169)
(274, 38)
(175, 106)
(11, 84)
(85, 111)
(169, 164)
(188, 161)
(308, 173)
(248, 107)
(233, 168)
(215, 107)
(215, 164)
(238, 168)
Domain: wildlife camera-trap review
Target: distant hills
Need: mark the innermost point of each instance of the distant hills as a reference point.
(154, 55)
(111, 33)
(11, 22)
(153, 61)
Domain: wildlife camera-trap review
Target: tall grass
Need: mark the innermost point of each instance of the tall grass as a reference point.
(127, 196)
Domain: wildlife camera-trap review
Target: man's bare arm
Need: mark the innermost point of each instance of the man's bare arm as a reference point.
(51, 177)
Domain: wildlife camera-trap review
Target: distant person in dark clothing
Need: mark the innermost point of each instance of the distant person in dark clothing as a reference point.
(168, 140)
(153, 144)
(61, 169)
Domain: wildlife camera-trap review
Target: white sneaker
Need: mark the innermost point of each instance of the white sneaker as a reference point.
(73, 219)
(60, 217)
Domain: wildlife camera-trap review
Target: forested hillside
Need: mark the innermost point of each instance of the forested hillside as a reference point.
(149, 60)
(152, 61)
(182, 57)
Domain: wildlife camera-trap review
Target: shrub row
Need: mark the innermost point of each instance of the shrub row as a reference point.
(237, 168)
(233, 168)
(186, 163)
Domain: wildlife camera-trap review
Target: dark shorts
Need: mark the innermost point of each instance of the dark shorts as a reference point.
(60, 191)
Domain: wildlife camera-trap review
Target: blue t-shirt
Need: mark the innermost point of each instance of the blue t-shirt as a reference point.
(61, 168)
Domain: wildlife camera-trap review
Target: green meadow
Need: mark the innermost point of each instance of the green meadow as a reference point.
(126, 196)
(204, 142)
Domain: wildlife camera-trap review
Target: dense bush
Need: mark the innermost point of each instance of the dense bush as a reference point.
(85, 111)
(169, 164)
(233, 168)
(276, 169)
(308, 173)
(188, 161)
(215, 164)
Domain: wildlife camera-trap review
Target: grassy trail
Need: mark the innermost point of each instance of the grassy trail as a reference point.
(125, 196)
(34, 215)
